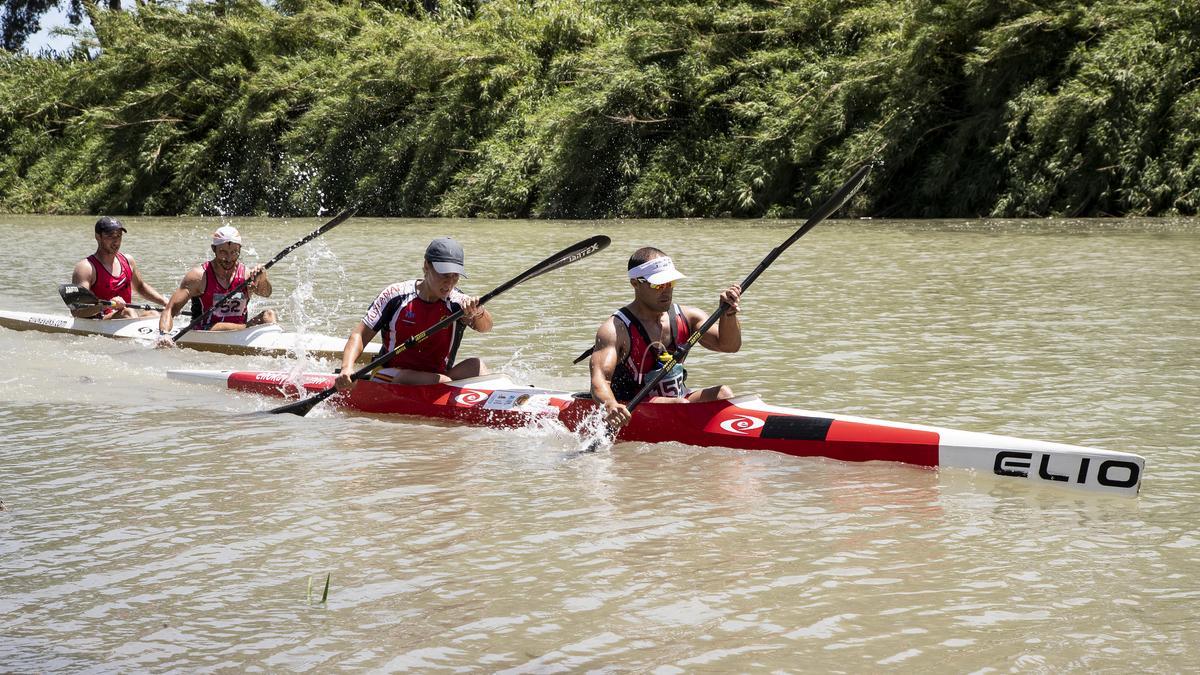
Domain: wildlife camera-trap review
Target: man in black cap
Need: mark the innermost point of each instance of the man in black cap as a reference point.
(407, 308)
(112, 275)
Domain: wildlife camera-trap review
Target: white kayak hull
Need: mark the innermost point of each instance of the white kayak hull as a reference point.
(267, 339)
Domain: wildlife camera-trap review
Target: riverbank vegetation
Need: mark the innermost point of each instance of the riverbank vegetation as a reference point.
(587, 109)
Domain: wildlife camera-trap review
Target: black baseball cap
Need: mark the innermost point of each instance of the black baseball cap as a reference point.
(109, 224)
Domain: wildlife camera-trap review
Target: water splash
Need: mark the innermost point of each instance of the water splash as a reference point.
(594, 432)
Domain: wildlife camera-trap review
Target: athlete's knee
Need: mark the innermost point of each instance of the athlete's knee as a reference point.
(475, 366)
(715, 393)
(472, 367)
(267, 316)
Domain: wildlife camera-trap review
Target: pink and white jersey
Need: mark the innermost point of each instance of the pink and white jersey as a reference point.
(399, 313)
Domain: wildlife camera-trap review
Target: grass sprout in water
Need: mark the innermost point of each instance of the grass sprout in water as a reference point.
(324, 593)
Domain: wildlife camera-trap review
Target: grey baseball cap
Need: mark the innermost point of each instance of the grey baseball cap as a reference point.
(446, 256)
(109, 224)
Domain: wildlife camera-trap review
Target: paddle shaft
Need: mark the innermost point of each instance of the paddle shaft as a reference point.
(110, 303)
(562, 258)
(824, 211)
(337, 220)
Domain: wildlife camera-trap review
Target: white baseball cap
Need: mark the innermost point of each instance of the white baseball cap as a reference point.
(226, 234)
(656, 271)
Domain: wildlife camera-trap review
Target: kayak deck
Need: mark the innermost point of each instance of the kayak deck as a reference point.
(742, 423)
(268, 339)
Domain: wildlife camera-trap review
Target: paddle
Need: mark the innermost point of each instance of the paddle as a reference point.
(832, 204)
(561, 259)
(77, 297)
(337, 220)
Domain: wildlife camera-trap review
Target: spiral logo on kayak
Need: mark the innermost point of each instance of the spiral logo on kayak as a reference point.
(471, 397)
(742, 424)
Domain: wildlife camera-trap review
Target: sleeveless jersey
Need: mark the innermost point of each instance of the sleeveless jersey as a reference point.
(642, 360)
(237, 310)
(107, 286)
(399, 313)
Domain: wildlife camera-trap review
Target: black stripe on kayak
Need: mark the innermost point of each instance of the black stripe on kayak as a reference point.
(796, 428)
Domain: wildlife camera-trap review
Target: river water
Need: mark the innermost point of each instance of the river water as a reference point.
(148, 528)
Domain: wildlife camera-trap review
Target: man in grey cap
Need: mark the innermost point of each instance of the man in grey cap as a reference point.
(112, 275)
(408, 308)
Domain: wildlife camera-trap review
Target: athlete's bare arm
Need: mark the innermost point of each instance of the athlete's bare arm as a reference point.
(358, 340)
(610, 345)
(192, 286)
(84, 276)
(141, 286)
(476, 316)
(726, 334)
(261, 284)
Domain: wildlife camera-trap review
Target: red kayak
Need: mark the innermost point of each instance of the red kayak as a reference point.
(743, 422)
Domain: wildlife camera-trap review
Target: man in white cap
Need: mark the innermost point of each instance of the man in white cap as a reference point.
(633, 342)
(407, 308)
(208, 284)
(112, 275)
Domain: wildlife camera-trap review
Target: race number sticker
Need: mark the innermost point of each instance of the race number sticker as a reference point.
(525, 400)
(235, 306)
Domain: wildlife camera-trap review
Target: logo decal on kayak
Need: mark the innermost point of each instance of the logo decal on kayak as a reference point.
(742, 424)
(1113, 473)
(471, 397)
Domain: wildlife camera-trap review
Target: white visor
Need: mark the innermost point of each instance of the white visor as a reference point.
(656, 271)
(226, 235)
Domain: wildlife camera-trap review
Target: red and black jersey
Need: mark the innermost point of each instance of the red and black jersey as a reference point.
(643, 356)
(399, 313)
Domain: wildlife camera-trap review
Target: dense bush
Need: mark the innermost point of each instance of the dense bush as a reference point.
(578, 108)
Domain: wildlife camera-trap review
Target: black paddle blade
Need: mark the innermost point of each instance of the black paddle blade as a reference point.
(74, 295)
(337, 220)
(829, 206)
(334, 222)
(304, 405)
(595, 444)
(570, 254)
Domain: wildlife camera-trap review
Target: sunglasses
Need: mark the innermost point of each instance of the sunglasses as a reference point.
(657, 287)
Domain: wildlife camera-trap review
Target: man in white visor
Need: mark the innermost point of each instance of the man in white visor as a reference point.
(208, 284)
(636, 340)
